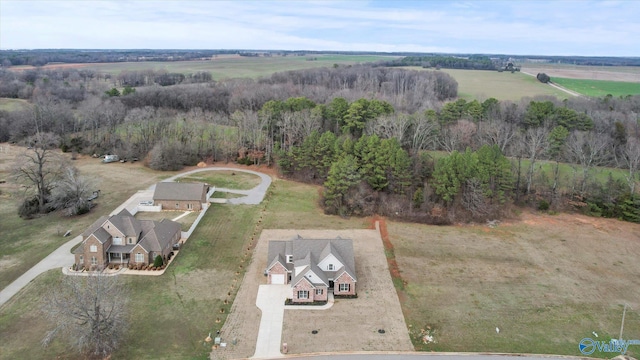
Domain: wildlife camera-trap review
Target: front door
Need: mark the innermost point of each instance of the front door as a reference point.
(330, 285)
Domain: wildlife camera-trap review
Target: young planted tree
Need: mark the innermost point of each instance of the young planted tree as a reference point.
(90, 312)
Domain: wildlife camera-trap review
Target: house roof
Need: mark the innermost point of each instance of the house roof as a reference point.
(154, 235)
(179, 191)
(277, 252)
(159, 235)
(126, 223)
(307, 253)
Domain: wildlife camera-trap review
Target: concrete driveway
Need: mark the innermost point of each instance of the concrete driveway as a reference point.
(60, 257)
(270, 301)
(253, 196)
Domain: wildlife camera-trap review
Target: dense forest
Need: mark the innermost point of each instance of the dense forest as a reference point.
(381, 140)
(474, 62)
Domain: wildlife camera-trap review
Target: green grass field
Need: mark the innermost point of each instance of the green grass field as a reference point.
(483, 84)
(7, 104)
(598, 88)
(226, 66)
(225, 179)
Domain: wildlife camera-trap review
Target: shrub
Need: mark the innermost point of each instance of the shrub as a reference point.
(158, 261)
(543, 205)
(543, 78)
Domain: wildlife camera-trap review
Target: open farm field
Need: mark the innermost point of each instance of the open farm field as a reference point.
(598, 88)
(544, 281)
(225, 67)
(608, 73)
(483, 84)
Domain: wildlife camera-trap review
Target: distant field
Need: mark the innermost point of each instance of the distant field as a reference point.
(224, 67)
(598, 88)
(483, 84)
(610, 73)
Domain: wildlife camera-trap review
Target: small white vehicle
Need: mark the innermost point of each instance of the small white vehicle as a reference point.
(146, 203)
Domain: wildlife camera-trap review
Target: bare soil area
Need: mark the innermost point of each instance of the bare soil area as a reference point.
(546, 281)
(348, 326)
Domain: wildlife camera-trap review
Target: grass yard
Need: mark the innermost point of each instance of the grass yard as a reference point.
(225, 179)
(483, 84)
(232, 66)
(25, 242)
(186, 221)
(7, 104)
(545, 281)
(598, 88)
(295, 206)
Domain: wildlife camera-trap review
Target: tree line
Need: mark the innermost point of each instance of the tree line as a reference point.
(306, 122)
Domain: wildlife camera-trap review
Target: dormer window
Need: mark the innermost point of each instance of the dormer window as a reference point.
(330, 267)
(289, 259)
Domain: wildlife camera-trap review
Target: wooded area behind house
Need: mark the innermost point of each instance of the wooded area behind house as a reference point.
(381, 140)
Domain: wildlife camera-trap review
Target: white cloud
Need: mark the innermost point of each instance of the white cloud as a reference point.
(520, 27)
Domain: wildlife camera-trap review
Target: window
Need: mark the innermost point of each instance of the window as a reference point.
(81, 259)
(177, 205)
(117, 241)
(289, 259)
(94, 261)
(303, 294)
(319, 291)
(139, 257)
(189, 206)
(330, 267)
(345, 287)
(93, 248)
(130, 241)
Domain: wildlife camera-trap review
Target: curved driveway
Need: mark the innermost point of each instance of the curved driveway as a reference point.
(62, 256)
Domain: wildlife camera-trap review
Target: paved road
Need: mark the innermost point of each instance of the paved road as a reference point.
(60, 257)
(253, 196)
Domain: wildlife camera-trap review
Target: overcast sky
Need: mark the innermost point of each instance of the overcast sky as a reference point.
(602, 28)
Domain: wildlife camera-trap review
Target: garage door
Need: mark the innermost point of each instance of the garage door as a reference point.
(277, 279)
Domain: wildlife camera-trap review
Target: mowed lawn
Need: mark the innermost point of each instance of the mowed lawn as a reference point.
(25, 242)
(598, 88)
(234, 66)
(225, 179)
(545, 281)
(8, 104)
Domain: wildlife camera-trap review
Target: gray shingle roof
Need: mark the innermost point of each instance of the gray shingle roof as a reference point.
(309, 252)
(159, 235)
(180, 191)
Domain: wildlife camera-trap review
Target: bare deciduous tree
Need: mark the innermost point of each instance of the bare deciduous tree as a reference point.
(90, 311)
(70, 193)
(39, 167)
(536, 141)
(588, 149)
(631, 158)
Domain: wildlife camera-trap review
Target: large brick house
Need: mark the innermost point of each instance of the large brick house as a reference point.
(312, 267)
(123, 239)
(180, 196)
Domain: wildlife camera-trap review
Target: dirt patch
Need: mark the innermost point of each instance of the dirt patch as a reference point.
(546, 281)
(358, 330)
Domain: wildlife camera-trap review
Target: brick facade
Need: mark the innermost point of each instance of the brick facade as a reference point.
(344, 279)
(278, 269)
(303, 284)
(183, 205)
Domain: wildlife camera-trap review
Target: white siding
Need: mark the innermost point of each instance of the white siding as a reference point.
(330, 259)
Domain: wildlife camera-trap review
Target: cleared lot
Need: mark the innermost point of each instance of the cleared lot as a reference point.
(351, 324)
